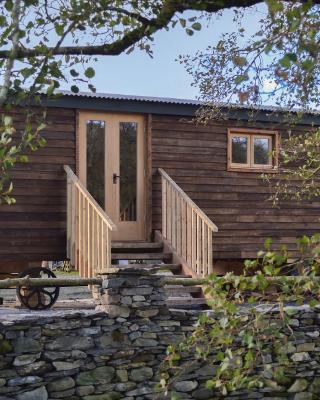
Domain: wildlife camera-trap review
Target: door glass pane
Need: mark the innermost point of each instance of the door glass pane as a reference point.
(262, 151)
(128, 171)
(95, 160)
(239, 149)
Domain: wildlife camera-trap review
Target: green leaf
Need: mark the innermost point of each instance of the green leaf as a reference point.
(240, 61)
(42, 142)
(313, 303)
(292, 57)
(89, 72)
(74, 89)
(9, 5)
(7, 120)
(23, 158)
(241, 78)
(3, 21)
(275, 6)
(51, 88)
(189, 32)
(182, 22)
(92, 88)
(10, 189)
(59, 29)
(74, 73)
(285, 62)
(26, 72)
(196, 26)
(267, 243)
(307, 65)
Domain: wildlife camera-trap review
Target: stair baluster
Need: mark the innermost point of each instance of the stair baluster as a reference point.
(88, 230)
(186, 227)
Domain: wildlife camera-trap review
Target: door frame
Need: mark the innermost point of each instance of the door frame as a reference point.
(81, 156)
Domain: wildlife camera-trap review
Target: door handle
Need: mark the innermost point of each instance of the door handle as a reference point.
(115, 177)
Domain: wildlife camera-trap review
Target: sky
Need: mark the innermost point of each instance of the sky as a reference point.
(163, 76)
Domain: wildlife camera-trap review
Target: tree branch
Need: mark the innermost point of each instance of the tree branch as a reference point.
(148, 27)
(130, 14)
(12, 54)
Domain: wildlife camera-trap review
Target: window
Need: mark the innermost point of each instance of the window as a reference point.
(253, 150)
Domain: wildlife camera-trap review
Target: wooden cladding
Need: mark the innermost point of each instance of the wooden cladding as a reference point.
(195, 157)
(34, 229)
(88, 230)
(186, 227)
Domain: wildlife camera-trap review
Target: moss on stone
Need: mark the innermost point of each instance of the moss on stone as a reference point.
(5, 346)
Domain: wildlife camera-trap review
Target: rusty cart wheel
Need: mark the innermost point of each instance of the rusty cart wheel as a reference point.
(38, 298)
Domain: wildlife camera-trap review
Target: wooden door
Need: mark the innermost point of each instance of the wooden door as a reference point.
(112, 166)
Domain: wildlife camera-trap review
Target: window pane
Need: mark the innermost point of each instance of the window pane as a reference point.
(239, 149)
(261, 151)
(128, 171)
(95, 160)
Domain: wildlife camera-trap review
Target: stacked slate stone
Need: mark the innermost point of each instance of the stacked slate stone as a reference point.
(302, 375)
(110, 353)
(115, 352)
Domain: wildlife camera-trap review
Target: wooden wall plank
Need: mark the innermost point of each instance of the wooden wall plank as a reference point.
(195, 157)
(35, 228)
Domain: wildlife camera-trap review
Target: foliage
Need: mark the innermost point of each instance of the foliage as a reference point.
(13, 149)
(300, 168)
(279, 64)
(57, 41)
(46, 42)
(250, 321)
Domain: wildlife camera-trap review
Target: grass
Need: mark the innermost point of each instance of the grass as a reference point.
(65, 273)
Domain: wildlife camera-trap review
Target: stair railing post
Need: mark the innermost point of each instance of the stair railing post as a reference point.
(69, 210)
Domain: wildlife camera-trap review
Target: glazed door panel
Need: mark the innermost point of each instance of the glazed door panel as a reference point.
(112, 165)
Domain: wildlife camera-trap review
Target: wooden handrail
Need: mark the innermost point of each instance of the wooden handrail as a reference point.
(186, 227)
(88, 230)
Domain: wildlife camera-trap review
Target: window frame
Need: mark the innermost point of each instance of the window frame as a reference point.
(251, 134)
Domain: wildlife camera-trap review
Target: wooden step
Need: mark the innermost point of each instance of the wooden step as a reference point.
(175, 268)
(180, 276)
(192, 290)
(132, 247)
(187, 303)
(141, 256)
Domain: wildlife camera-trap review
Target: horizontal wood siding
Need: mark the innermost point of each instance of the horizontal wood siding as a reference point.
(237, 202)
(34, 229)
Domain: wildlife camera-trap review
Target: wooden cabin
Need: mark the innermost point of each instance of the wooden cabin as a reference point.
(126, 170)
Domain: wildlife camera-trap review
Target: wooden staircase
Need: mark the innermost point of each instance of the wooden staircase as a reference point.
(184, 243)
(152, 255)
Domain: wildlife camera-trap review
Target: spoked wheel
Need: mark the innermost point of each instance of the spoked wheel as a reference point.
(38, 298)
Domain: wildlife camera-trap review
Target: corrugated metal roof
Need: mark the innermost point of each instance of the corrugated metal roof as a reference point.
(116, 96)
(178, 101)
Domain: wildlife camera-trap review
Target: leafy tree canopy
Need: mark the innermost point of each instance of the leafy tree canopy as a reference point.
(51, 38)
(279, 64)
(46, 42)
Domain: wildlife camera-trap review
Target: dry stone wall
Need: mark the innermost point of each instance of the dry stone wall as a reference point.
(114, 352)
